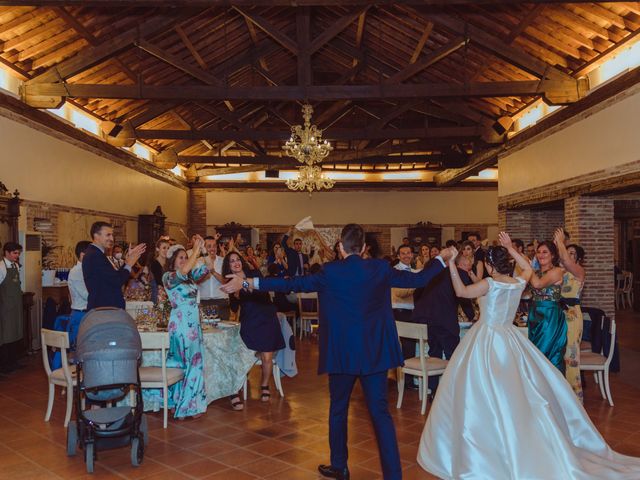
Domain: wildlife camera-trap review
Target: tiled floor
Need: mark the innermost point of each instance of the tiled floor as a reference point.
(285, 439)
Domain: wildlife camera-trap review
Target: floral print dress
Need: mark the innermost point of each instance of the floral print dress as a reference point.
(185, 342)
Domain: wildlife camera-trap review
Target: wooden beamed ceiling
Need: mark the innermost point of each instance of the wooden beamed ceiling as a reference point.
(417, 83)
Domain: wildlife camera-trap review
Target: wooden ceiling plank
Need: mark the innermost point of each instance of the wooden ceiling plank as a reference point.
(499, 48)
(59, 54)
(427, 60)
(268, 28)
(420, 45)
(16, 22)
(194, 52)
(177, 62)
(254, 38)
(575, 21)
(335, 29)
(552, 42)
(31, 35)
(524, 23)
(95, 55)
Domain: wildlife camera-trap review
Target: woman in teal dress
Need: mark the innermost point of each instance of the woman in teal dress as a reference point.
(188, 397)
(547, 325)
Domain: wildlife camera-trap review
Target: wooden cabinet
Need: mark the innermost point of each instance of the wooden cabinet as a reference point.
(240, 234)
(151, 227)
(428, 233)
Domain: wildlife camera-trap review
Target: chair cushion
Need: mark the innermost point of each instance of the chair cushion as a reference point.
(433, 364)
(591, 358)
(585, 346)
(58, 374)
(154, 374)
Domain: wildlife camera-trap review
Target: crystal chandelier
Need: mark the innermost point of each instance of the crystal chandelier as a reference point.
(308, 148)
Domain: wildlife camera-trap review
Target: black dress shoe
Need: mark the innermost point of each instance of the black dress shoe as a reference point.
(332, 472)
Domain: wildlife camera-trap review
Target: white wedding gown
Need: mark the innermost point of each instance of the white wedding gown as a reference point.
(503, 411)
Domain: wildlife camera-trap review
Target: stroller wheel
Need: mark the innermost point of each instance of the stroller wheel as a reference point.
(88, 456)
(144, 429)
(137, 451)
(72, 438)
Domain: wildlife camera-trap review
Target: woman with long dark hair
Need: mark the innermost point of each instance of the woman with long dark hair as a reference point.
(259, 324)
(157, 268)
(547, 325)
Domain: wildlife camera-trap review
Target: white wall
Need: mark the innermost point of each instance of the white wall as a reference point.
(50, 170)
(603, 140)
(287, 208)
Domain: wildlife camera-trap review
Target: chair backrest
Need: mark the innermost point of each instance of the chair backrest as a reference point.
(612, 346)
(628, 281)
(620, 279)
(157, 341)
(303, 306)
(59, 340)
(415, 331)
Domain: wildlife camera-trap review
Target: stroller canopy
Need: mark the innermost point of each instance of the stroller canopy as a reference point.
(108, 330)
(109, 347)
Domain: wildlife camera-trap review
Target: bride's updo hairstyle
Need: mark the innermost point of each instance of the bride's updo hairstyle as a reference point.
(499, 259)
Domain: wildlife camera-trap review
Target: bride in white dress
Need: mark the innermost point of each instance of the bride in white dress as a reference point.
(502, 410)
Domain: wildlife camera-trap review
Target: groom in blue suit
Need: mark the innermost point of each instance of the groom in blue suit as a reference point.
(358, 338)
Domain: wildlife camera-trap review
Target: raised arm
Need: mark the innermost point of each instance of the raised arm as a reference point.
(193, 258)
(522, 262)
(567, 262)
(304, 283)
(552, 277)
(404, 279)
(473, 290)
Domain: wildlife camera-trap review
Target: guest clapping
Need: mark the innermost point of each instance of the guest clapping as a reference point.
(188, 397)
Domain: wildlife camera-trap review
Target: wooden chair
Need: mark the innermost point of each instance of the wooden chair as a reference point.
(64, 376)
(159, 377)
(627, 289)
(599, 365)
(307, 315)
(619, 291)
(291, 315)
(421, 366)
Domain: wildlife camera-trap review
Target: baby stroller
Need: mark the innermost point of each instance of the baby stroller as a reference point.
(108, 355)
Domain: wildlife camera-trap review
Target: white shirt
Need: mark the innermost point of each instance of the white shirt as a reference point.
(4, 265)
(402, 298)
(210, 288)
(77, 288)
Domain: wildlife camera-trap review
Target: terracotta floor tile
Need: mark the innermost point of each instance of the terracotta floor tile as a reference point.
(264, 467)
(202, 468)
(270, 447)
(232, 474)
(235, 458)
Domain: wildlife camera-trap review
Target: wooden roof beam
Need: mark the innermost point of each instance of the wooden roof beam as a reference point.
(555, 91)
(268, 28)
(421, 43)
(336, 28)
(281, 3)
(429, 59)
(333, 134)
(287, 162)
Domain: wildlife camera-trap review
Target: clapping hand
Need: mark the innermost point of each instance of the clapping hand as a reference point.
(233, 285)
(559, 237)
(505, 240)
(448, 254)
(198, 244)
(134, 253)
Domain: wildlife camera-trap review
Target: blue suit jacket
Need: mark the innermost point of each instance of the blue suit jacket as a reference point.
(293, 259)
(104, 283)
(358, 334)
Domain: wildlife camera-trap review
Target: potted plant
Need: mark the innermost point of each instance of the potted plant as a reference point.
(48, 267)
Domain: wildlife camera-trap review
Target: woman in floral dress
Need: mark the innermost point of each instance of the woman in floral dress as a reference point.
(188, 397)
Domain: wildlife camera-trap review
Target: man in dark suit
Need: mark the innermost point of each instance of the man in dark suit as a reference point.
(297, 262)
(358, 339)
(104, 282)
(438, 308)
